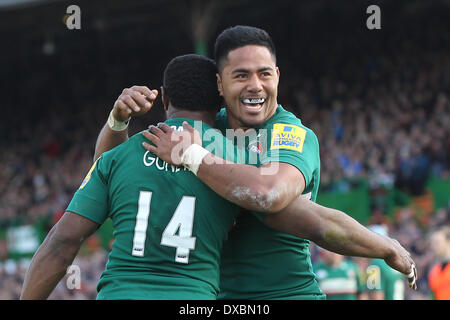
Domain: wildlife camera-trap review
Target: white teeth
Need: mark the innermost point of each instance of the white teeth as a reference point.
(254, 101)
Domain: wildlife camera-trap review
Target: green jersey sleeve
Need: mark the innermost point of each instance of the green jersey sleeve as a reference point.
(294, 144)
(91, 198)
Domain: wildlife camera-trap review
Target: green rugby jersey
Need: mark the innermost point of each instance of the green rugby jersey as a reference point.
(381, 277)
(340, 282)
(259, 262)
(169, 227)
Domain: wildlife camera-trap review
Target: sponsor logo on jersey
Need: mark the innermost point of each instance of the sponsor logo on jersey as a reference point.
(287, 136)
(88, 176)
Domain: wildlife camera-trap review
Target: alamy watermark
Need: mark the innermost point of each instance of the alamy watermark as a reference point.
(373, 277)
(74, 277)
(72, 19)
(374, 20)
(250, 147)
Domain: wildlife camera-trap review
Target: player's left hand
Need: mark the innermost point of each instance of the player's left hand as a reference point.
(169, 145)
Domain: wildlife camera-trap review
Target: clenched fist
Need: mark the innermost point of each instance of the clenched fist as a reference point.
(134, 101)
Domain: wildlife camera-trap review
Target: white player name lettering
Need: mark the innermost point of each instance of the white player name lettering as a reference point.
(149, 160)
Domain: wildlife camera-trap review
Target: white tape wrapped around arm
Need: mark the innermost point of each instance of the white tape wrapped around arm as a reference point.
(193, 156)
(115, 124)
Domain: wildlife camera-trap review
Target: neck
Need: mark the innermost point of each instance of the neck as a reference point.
(207, 117)
(236, 124)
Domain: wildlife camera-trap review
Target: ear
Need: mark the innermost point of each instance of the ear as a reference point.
(219, 84)
(277, 70)
(165, 99)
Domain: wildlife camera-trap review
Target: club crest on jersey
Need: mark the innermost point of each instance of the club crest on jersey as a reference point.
(287, 136)
(256, 146)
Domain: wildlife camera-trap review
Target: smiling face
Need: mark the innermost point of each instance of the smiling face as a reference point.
(248, 81)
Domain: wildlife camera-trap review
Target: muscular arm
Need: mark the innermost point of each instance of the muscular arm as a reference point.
(108, 139)
(55, 255)
(336, 231)
(268, 188)
(249, 186)
(329, 228)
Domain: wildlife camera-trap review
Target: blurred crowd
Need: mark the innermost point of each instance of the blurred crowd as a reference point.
(79, 284)
(380, 111)
(418, 240)
(382, 114)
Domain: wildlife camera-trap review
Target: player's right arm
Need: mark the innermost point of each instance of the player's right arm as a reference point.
(55, 255)
(338, 232)
(134, 101)
(87, 210)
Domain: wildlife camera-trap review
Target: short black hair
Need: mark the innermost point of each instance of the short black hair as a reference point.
(240, 36)
(190, 83)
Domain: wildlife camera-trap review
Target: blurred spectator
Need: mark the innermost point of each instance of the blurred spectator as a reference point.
(439, 276)
(383, 282)
(91, 266)
(338, 277)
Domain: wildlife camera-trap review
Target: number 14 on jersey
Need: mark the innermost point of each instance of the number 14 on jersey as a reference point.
(182, 222)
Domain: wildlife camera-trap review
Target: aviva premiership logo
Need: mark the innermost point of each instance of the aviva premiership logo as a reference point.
(287, 136)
